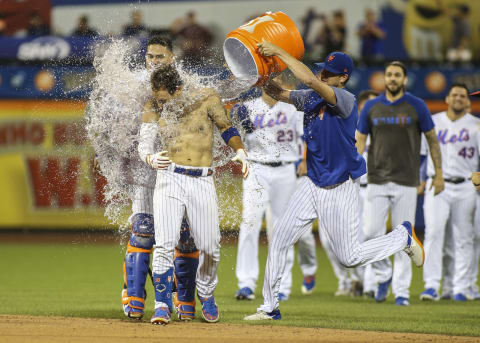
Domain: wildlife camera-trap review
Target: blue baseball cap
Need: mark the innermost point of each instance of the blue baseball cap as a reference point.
(338, 63)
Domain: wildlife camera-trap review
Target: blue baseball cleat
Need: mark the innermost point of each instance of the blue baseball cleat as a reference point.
(382, 291)
(161, 316)
(401, 301)
(282, 297)
(209, 309)
(460, 297)
(429, 294)
(308, 284)
(245, 293)
(261, 315)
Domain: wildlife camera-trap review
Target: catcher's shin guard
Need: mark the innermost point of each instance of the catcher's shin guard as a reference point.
(186, 265)
(135, 267)
(162, 283)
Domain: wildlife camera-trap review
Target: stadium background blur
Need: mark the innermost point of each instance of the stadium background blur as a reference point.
(46, 53)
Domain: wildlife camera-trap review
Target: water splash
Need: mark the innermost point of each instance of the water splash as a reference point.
(120, 89)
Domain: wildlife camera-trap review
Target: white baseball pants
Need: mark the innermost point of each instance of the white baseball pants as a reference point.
(456, 202)
(337, 209)
(175, 195)
(142, 200)
(268, 189)
(402, 201)
(448, 260)
(345, 275)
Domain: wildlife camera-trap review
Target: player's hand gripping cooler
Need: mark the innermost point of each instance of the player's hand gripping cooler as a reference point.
(240, 46)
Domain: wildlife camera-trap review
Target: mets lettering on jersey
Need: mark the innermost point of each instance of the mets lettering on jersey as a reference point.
(444, 137)
(281, 124)
(401, 119)
(261, 123)
(459, 145)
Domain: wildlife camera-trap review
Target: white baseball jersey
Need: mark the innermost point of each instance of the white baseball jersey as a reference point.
(459, 145)
(273, 138)
(276, 129)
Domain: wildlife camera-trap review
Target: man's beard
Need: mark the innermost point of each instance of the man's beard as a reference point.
(458, 111)
(396, 91)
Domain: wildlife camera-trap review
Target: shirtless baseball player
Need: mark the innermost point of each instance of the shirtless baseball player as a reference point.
(184, 185)
(330, 190)
(137, 257)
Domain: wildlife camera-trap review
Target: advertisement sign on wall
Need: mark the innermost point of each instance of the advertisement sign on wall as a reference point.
(47, 176)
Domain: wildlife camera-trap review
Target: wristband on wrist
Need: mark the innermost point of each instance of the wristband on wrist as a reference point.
(229, 133)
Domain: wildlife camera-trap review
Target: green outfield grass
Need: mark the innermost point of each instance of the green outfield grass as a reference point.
(85, 281)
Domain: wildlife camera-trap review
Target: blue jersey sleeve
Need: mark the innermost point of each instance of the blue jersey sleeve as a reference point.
(425, 120)
(363, 122)
(345, 103)
(298, 98)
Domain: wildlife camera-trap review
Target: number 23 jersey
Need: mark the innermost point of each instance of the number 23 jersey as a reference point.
(459, 144)
(275, 131)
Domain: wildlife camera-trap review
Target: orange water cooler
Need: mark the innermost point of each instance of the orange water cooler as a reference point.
(240, 46)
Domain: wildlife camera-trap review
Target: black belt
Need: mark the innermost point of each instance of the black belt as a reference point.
(363, 185)
(273, 164)
(455, 180)
(192, 172)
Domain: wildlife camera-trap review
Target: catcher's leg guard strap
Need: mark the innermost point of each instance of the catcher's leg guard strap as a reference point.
(137, 261)
(163, 287)
(135, 274)
(186, 265)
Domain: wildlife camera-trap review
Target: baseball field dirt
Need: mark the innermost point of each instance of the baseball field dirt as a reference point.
(14, 329)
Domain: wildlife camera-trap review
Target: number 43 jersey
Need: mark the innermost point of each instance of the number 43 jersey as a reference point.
(275, 131)
(459, 145)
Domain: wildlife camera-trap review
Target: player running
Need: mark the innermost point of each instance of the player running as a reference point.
(272, 132)
(330, 190)
(360, 280)
(459, 139)
(184, 185)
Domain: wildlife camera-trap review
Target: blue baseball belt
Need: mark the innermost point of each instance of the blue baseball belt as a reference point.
(192, 172)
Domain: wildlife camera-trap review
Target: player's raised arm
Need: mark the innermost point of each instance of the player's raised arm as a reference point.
(230, 135)
(300, 70)
(438, 182)
(146, 142)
